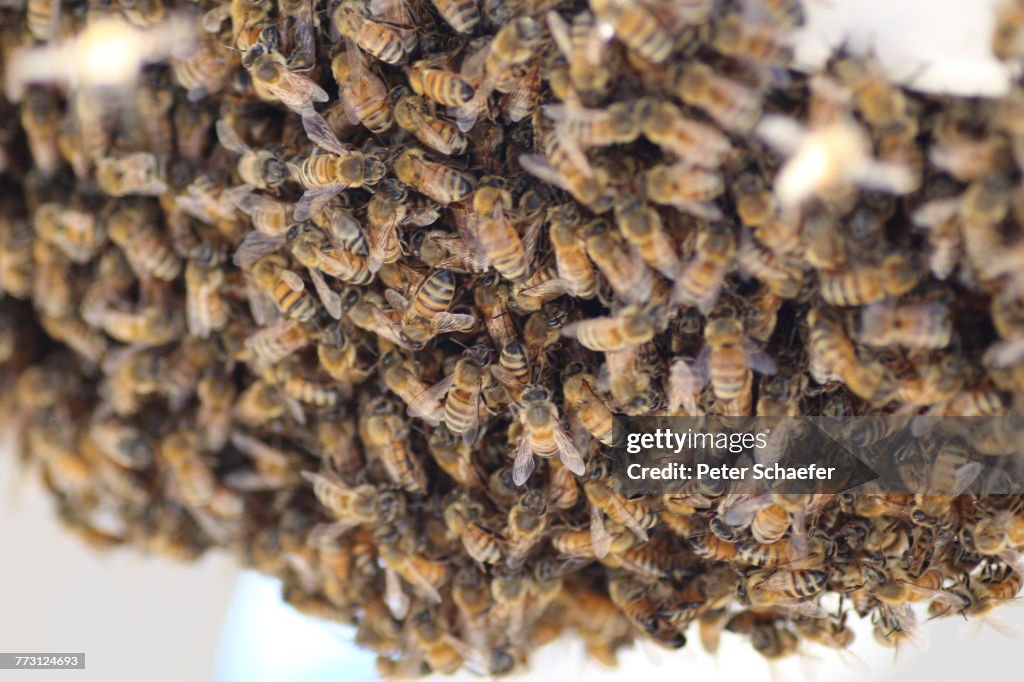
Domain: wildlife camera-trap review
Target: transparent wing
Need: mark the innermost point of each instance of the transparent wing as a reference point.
(378, 237)
(445, 323)
(599, 537)
(313, 201)
(396, 300)
(567, 452)
(320, 133)
(428, 403)
(523, 464)
(229, 138)
(256, 245)
(330, 298)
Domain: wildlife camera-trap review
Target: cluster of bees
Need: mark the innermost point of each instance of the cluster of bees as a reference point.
(374, 343)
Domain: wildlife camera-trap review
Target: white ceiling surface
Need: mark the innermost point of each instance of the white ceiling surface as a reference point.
(142, 619)
(134, 618)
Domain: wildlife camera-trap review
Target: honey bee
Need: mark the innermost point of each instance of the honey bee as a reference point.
(574, 266)
(471, 593)
(922, 325)
(385, 437)
(454, 457)
(701, 280)
(340, 251)
(363, 94)
(462, 15)
(426, 315)
(632, 326)
(325, 175)
(630, 595)
(197, 485)
(785, 588)
(412, 115)
(273, 79)
(861, 285)
(635, 515)
(756, 40)
(527, 521)
(426, 575)
(691, 141)
(259, 168)
(687, 188)
(136, 173)
(833, 351)
(828, 160)
(40, 118)
(542, 435)
(636, 26)
(505, 59)
(464, 520)
(75, 232)
(286, 291)
(441, 651)
(385, 40)
(129, 227)
(206, 311)
(590, 77)
(42, 19)
(624, 268)
(16, 259)
(729, 356)
(733, 105)
(428, 78)
(567, 167)
(439, 182)
(498, 239)
(578, 389)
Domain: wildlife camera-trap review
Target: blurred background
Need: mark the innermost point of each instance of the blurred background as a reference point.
(137, 618)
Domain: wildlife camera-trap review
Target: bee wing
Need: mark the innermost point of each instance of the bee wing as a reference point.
(198, 314)
(292, 279)
(247, 201)
(461, 255)
(552, 287)
(413, 575)
(313, 201)
(600, 539)
(538, 166)
(427, 405)
(377, 237)
(396, 300)
(472, 431)
(329, 532)
(742, 509)
(320, 133)
(297, 92)
(445, 323)
(262, 306)
(965, 476)
(1005, 354)
(683, 387)
(423, 130)
(466, 115)
(256, 245)
(229, 138)
(574, 150)
(531, 236)
(567, 452)
(215, 18)
(760, 361)
(523, 464)
(396, 598)
(559, 29)
(330, 298)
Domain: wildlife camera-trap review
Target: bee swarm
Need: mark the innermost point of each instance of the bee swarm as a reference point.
(354, 291)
